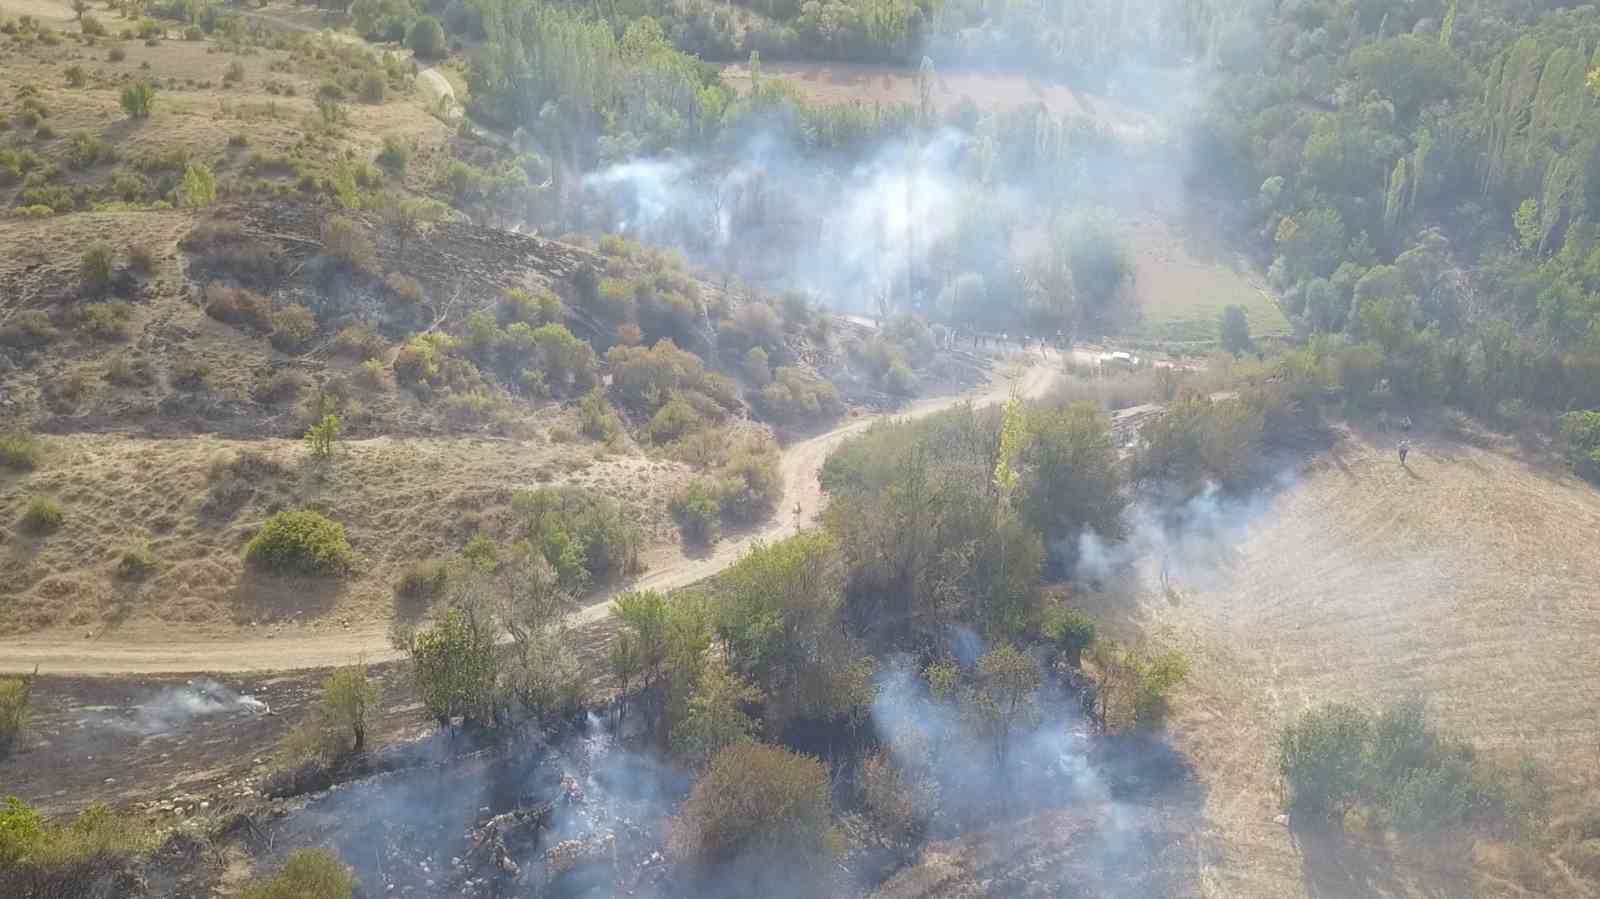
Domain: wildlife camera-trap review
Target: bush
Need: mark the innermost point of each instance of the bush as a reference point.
(137, 98)
(234, 74)
(797, 398)
(756, 367)
(757, 803)
(675, 419)
(137, 562)
(426, 38)
(95, 269)
(105, 321)
(76, 77)
(117, 54)
(142, 258)
(597, 419)
(404, 289)
(91, 26)
(280, 386)
(395, 155)
(308, 874)
(300, 542)
(423, 582)
(32, 850)
(322, 436)
(348, 697)
(16, 695)
(361, 342)
(372, 89)
(293, 327)
(347, 241)
(698, 509)
(1320, 757)
(585, 537)
(1580, 437)
(20, 451)
(42, 516)
(238, 306)
(28, 328)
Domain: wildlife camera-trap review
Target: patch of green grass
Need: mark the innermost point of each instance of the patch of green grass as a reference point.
(20, 451)
(42, 516)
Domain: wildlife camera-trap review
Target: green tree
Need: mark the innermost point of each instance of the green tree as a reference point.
(1235, 330)
(454, 666)
(137, 98)
(1070, 632)
(348, 697)
(1321, 758)
(716, 718)
(426, 38)
(1005, 700)
(756, 802)
(1527, 224)
(322, 436)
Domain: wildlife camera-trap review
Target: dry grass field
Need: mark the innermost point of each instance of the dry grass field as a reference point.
(1182, 283)
(1467, 578)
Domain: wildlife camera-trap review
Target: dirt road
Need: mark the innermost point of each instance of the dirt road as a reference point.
(667, 569)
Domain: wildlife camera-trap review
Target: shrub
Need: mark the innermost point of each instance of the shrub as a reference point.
(300, 542)
(28, 328)
(234, 74)
(395, 155)
(796, 397)
(755, 802)
(674, 420)
(584, 537)
(20, 451)
(423, 582)
(756, 367)
(91, 26)
(752, 325)
(117, 54)
(372, 89)
(308, 874)
(347, 241)
(403, 288)
(280, 386)
(137, 98)
(293, 327)
(15, 700)
(105, 321)
(238, 306)
(137, 562)
(597, 419)
(698, 508)
(454, 668)
(41, 516)
(191, 373)
(199, 188)
(1320, 757)
(142, 258)
(361, 342)
(95, 269)
(1069, 631)
(426, 38)
(1580, 437)
(76, 77)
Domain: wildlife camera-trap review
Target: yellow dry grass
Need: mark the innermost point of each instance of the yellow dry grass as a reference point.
(399, 500)
(1467, 578)
(1183, 283)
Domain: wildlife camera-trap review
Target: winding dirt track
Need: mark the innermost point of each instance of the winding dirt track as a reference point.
(666, 569)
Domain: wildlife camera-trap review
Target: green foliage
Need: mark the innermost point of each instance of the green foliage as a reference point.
(715, 718)
(1199, 439)
(347, 241)
(1321, 758)
(1071, 480)
(1069, 631)
(76, 77)
(29, 845)
(293, 327)
(300, 542)
(20, 451)
(756, 801)
(322, 436)
(16, 699)
(598, 420)
(307, 874)
(138, 98)
(585, 537)
(43, 515)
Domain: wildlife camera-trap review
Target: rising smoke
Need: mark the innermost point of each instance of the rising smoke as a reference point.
(171, 710)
